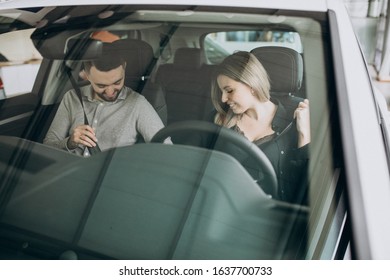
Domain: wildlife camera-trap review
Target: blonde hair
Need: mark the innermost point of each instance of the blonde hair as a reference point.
(245, 68)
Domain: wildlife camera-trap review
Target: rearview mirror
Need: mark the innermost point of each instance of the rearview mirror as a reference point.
(68, 49)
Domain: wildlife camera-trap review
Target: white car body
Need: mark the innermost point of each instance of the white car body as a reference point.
(363, 112)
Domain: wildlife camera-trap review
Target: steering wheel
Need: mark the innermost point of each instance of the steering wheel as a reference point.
(228, 136)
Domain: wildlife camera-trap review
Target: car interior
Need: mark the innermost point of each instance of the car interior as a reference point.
(151, 200)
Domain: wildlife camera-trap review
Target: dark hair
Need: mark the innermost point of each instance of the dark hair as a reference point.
(105, 63)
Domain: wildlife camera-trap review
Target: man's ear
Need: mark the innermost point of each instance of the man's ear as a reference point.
(83, 75)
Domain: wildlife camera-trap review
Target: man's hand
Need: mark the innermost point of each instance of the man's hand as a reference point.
(82, 135)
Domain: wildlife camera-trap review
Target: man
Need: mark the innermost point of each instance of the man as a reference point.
(117, 115)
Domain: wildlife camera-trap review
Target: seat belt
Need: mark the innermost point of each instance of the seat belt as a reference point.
(92, 150)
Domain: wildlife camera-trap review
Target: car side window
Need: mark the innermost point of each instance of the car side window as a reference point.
(19, 61)
(218, 45)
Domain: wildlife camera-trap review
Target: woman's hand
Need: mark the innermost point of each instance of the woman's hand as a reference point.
(302, 115)
(84, 135)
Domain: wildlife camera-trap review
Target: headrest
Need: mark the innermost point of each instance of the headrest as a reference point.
(284, 67)
(188, 58)
(138, 55)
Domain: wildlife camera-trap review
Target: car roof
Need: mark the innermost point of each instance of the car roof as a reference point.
(304, 5)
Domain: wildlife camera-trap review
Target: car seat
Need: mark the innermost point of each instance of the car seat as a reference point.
(284, 67)
(140, 61)
(186, 84)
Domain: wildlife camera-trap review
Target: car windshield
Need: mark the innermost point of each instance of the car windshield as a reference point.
(182, 186)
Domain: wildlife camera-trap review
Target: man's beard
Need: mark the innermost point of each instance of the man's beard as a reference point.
(106, 98)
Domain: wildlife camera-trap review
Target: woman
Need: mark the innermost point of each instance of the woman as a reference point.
(279, 127)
